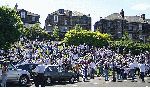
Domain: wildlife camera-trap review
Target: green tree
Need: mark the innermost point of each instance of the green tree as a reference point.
(35, 32)
(10, 27)
(56, 33)
(77, 27)
(76, 37)
(126, 36)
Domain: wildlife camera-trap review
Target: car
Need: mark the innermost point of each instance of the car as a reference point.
(15, 75)
(55, 73)
(28, 67)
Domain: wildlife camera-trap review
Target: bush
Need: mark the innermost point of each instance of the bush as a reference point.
(77, 37)
(134, 47)
(35, 32)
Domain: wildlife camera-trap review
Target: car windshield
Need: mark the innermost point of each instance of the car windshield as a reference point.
(27, 66)
(52, 68)
(10, 66)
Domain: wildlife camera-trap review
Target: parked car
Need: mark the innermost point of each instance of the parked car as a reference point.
(19, 76)
(28, 67)
(55, 73)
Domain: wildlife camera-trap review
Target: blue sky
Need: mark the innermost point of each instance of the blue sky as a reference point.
(96, 8)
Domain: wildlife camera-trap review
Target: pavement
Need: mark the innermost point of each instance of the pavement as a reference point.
(100, 82)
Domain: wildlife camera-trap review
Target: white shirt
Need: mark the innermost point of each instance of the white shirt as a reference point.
(132, 66)
(92, 65)
(125, 70)
(75, 56)
(60, 62)
(142, 67)
(135, 64)
(47, 61)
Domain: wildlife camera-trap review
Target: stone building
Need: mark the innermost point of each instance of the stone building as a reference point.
(116, 24)
(28, 18)
(66, 20)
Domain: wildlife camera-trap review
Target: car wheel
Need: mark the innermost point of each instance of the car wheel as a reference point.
(72, 79)
(23, 81)
(49, 80)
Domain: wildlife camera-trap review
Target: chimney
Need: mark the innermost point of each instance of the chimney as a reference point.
(143, 16)
(61, 11)
(122, 13)
(16, 6)
(70, 13)
(100, 18)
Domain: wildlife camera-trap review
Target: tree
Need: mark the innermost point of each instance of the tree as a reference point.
(78, 27)
(56, 33)
(10, 27)
(77, 37)
(35, 32)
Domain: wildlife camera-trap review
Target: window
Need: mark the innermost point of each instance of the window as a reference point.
(33, 18)
(130, 27)
(65, 29)
(55, 18)
(109, 24)
(23, 14)
(141, 37)
(10, 67)
(119, 34)
(130, 36)
(140, 26)
(65, 22)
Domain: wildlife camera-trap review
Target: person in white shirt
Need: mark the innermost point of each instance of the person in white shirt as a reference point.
(136, 66)
(126, 70)
(132, 69)
(40, 79)
(47, 61)
(142, 70)
(92, 66)
(60, 62)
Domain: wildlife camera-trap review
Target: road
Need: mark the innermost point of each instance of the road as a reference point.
(99, 82)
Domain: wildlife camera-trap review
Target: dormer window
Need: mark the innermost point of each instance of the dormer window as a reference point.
(55, 18)
(23, 14)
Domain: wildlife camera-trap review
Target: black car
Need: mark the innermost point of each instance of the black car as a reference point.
(28, 67)
(55, 73)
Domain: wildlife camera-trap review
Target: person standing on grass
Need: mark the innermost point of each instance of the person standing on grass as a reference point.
(40, 79)
(92, 66)
(125, 67)
(106, 68)
(4, 74)
(118, 70)
(132, 69)
(142, 70)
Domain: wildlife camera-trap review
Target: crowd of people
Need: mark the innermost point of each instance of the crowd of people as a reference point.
(86, 61)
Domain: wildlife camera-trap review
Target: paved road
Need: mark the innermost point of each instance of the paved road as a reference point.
(99, 82)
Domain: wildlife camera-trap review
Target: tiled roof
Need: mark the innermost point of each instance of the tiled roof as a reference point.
(113, 16)
(66, 12)
(127, 18)
(75, 13)
(28, 13)
(134, 19)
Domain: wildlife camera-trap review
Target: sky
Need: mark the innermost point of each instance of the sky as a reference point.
(96, 8)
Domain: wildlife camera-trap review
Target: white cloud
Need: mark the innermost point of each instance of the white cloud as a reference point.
(141, 7)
